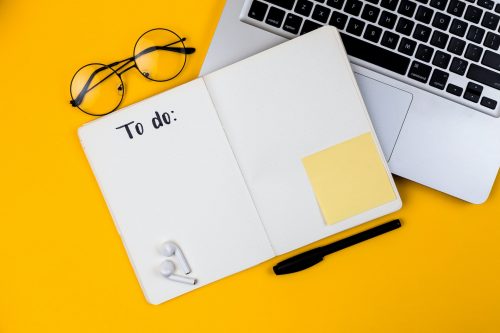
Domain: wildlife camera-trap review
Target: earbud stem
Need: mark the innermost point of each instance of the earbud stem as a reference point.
(183, 261)
(182, 279)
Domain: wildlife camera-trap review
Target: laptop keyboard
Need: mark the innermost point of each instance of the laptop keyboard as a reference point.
(447, 47)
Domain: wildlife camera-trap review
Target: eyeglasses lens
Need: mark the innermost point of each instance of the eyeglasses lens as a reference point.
(96, 89)
(160, 55)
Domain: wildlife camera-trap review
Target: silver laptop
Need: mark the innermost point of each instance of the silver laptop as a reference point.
(429, 72)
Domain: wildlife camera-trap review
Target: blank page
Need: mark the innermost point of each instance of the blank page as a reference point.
(277, 108)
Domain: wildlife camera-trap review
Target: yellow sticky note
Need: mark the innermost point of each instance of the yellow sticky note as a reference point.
(349, 178)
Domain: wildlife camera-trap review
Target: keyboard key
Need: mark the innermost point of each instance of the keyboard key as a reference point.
(387, 19)
(389, 4)
(407, 46)
(375, 2)
(258, 10)
(489, 103)
(484, 76)
(488, 4)
(407, 8)
(490, 21)
(292, 23)
(422, 33)
(439, 39)
(338, 20)
(454, 90)
(492, 41)
(441, 59)
(473, 92)
(458, 66)
(275, 17)
(491, 60)
(456, 46)
(456, 8)
(439, 79)
(372, 33)
(321, 13)
(304, 7)
(441, 21)
(419, 72)
(471, 96)
(376, 55)
(337, 4)
(353, 7)
(473, 52)
(309, 26)
(439, 4)
(474, 87)
(390, 40)
(497, 8)
(473, 14)
(355, 26)
(370, 13)
(424, 53)
(475, 34)
(424, 14)
(404, 26)
(458, 27)
(287, 4)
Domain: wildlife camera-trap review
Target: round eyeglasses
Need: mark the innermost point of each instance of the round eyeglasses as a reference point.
(159, 55)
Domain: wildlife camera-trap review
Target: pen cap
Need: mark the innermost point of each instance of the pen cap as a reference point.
(298, 263)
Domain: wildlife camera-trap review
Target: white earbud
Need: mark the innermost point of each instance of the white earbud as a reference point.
(167, 269)
(169, 249)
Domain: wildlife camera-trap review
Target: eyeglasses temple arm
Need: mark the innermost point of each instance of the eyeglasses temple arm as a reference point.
(168, 47)
(183, 50)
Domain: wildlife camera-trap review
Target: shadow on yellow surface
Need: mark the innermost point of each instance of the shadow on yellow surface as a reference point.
(64, 268)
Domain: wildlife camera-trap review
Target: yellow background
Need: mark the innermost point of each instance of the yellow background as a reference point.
(62, 265)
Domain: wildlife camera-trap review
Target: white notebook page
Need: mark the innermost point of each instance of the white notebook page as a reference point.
(179, 182)
(280, 106)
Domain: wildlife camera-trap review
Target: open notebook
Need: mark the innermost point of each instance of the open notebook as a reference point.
(252, 161)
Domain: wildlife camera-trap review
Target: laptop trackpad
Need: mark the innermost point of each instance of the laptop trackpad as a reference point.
(387, 107)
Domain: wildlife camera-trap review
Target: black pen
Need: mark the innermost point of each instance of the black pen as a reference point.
(314, 256)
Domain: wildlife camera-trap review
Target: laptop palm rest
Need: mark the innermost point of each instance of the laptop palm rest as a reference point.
(387, 118)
